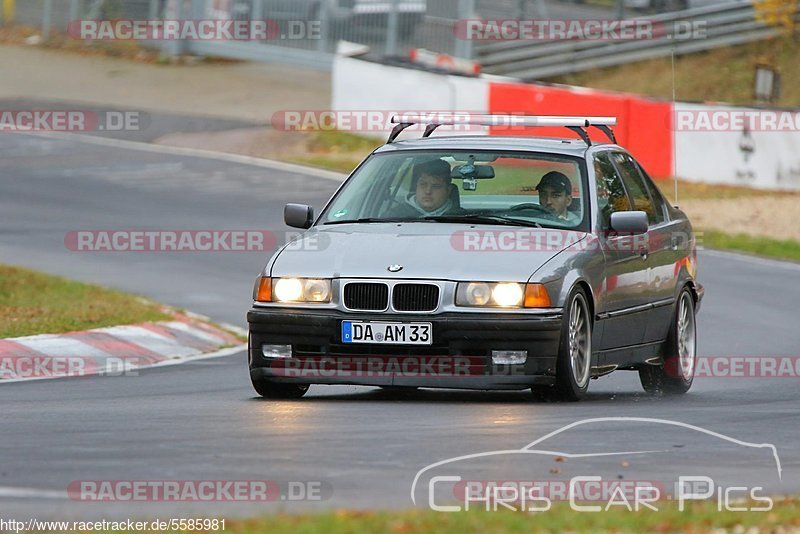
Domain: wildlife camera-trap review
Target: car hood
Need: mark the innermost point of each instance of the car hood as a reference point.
(440, 251)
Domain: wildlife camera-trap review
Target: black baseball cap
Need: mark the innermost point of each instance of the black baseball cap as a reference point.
(557, 181)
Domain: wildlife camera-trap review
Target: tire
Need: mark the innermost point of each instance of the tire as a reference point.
(275, 390)
(676, 374)
(574, 362)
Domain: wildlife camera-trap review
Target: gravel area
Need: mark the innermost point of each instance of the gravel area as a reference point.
(775, 217)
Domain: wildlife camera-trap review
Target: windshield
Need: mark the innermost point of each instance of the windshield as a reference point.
(528, 189)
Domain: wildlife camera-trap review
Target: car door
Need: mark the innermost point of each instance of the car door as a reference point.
(625, 284)
(670, 246)
(657, 246)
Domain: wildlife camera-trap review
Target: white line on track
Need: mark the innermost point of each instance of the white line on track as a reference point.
(194, 152)
(164, 363)
(755, 260)
(11, 492)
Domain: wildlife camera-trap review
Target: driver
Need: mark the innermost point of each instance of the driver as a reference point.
(432, 192)
(555, 195)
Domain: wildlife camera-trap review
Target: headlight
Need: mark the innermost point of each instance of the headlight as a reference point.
(293, 290)
(507, 294)
(501, 295)
(288, 290)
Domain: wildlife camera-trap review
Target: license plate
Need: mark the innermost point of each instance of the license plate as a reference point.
(387, 333)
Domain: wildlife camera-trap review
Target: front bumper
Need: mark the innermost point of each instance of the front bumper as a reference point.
(460, 356)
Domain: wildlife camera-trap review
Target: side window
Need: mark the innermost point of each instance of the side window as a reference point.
(611, 196)
(655, 194)
(635, 185)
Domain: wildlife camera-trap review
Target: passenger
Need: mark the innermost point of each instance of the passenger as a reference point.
(432, 192)
(555, 195)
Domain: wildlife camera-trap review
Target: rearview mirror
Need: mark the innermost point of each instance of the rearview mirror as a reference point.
(463, 172)
(629, 222)
(298, 215)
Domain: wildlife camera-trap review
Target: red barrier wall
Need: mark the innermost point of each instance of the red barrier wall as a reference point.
(643, 126)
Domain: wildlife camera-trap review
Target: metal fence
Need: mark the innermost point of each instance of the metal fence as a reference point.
(681, 32)
(307, 31)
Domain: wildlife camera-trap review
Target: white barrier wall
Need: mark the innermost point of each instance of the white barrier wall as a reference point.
(710, 142)
(360, 85)
(712, 145)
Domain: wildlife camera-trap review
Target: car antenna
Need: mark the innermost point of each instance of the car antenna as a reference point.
(674, 148)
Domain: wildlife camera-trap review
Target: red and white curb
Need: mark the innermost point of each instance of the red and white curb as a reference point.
(114, 351)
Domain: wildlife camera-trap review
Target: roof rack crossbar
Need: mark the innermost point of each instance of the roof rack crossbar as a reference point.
(581, 132)
(429, 128)
(435, 119)
(453, 118)
(397, 129)
(608, 131)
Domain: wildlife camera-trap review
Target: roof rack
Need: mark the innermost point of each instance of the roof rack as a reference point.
(433, 120)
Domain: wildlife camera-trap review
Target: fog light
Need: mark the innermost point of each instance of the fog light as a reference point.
(276, 351)
(509, 357)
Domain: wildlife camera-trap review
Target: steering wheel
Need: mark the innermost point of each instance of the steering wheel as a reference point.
(530, 206)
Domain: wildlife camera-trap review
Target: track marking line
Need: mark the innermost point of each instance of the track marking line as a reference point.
(129, 367)
(193, 152)
(750, 258)
(13, 492)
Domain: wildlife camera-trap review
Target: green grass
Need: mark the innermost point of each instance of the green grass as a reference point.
(723, 74)
(698, 517)
(340, 164)
(336, 151)
(701, 191)
(38, 303)
(334, 141)
(761, 246)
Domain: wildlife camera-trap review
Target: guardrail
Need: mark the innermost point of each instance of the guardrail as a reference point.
(309, 29)
(723, 25)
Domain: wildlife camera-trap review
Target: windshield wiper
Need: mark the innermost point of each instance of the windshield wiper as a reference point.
(372, 220)
(487, 219)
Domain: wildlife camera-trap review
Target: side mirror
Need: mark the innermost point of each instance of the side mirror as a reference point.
(298, 215)
(629, 222)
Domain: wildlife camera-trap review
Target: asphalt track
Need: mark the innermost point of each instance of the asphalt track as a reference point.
(202, 421)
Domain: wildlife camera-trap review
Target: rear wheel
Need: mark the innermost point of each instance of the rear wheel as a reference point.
(676, 375)
(574, 364)
(274, 390)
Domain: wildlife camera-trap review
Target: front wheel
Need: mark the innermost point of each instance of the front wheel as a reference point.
(676, 375)
(574, 364)
(274, 390)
